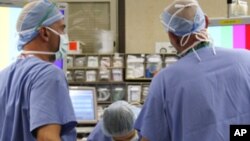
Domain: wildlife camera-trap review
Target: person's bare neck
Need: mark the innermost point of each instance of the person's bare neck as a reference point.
(38, 46)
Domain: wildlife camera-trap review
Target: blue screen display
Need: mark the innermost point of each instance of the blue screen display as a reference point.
(83, 104)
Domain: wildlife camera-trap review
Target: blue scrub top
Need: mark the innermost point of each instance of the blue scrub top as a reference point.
(198, 101)
(97, 134)
(34, 93)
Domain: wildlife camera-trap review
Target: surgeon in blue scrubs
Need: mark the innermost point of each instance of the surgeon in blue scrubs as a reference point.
(117, 123)
(34, 97)
(204, 92)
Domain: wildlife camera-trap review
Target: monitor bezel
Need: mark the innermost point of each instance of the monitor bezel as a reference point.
(221, 21)
(94, 100)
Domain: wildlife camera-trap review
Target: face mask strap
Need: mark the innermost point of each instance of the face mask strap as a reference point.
(196, 54)
(211, 40)
(53, 30)
(190, 47)
(184, 6)
(184, 51)
(181, 7)
(25, 32)
(37, 52)
(166, 26)
(202, 33)
(205, 39)
(46, 15)
(201, 36)
(178, 11)
(187, 37)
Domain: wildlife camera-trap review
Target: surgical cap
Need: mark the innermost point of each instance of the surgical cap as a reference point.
(35, 14)
(118, 119)
(183, 17)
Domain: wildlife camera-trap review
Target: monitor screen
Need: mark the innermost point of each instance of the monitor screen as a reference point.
(84, 104)
(230, 33)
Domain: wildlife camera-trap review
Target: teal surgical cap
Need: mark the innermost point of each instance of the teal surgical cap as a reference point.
(34, 15)
(183, 17)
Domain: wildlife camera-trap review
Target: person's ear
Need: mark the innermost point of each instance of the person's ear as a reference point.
(44, 34)
(207, 21)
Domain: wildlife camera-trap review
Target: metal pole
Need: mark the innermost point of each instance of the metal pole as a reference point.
(229, 2)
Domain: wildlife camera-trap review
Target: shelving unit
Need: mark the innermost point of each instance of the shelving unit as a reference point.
(108, 73)
(95, 67)
(143, 67)
(103, 71)
(112, 86)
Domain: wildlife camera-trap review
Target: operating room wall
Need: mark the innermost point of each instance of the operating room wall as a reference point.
(8, 35)
(143, 27)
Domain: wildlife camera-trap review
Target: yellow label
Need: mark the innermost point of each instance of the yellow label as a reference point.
(230, 21)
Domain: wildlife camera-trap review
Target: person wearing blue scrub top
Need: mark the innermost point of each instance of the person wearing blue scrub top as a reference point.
(204, 92)
(117, 123)
(34, 96)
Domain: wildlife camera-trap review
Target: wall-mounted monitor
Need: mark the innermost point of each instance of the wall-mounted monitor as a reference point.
(230, 33)
(84, 104)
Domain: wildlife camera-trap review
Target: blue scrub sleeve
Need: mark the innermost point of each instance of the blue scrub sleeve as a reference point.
(152, 120)
(50, 102)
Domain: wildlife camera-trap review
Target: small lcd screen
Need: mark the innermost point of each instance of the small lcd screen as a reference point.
(84, 103)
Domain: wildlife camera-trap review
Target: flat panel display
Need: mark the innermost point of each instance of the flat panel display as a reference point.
(230, 33)
(84, 104)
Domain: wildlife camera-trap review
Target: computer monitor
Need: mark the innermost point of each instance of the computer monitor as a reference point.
(230, 32)
(84, 104)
